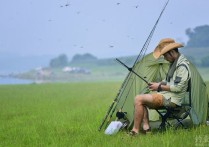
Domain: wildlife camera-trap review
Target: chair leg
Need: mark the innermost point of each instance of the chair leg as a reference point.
(164, 120)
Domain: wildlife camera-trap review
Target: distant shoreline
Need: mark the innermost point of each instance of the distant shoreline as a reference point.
(7, 80)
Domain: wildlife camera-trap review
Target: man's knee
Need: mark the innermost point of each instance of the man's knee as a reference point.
(143, 99)
(138, 100)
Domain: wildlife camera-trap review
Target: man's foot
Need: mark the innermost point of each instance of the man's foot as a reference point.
(147, 130)
(133, 133)
(146, 127)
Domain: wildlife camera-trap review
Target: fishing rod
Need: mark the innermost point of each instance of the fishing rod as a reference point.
(146, 44)
(131, 70)
(113, 103)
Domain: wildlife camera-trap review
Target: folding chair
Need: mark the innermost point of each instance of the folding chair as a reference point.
(178, 113)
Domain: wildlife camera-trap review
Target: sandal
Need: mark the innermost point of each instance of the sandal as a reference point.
(148, 131)
(133, 133)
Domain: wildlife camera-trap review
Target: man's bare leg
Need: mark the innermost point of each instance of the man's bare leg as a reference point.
(138, 114)
(139, 102)
(146, 119)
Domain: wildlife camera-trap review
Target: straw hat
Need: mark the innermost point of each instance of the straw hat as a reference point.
(164, 46)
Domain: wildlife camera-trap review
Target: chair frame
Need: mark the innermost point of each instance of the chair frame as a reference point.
(171, 112)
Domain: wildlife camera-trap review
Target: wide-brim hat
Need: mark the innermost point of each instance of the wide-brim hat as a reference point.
(164, 46)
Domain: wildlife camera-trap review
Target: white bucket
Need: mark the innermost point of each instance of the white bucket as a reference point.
(113, 127)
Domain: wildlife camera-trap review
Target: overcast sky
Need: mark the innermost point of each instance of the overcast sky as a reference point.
(104, 28)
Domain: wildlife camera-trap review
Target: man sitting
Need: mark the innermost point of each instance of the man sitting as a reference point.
(170, 91)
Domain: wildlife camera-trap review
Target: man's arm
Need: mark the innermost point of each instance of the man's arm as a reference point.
(159, 87)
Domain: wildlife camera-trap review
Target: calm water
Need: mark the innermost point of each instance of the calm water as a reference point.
(9, 80)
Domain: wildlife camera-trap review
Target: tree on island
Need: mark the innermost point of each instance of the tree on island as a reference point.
(87, 57)
(60, 61)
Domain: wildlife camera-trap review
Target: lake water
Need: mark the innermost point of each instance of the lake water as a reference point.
(9, 80)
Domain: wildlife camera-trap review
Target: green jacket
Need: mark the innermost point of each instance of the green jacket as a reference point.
(179, 82)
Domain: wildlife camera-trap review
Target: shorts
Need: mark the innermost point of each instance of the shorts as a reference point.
(159, 101)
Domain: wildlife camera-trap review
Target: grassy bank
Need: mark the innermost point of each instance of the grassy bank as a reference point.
(70, 114)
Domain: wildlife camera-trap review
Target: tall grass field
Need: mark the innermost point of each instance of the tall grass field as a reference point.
(69, 114)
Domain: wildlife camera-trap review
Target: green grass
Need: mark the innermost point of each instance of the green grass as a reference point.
(70, 114)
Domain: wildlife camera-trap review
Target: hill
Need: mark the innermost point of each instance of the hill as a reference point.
(102, 69)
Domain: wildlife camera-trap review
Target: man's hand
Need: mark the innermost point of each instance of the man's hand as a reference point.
(153, 86)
